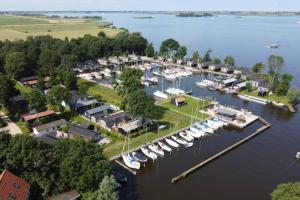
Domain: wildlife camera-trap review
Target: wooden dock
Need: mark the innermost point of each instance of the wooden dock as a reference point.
(223, 152)
(125, 167)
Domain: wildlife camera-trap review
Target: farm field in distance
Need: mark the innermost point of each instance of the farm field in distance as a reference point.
(20, 27)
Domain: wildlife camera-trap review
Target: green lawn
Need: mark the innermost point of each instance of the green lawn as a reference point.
(272, 97)
(23, 89)
(99, 91)
(20, 20)
(24, 128)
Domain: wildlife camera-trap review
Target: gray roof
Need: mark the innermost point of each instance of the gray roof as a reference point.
(76, 130)
(51, 125)
(86, 103)
(130, 126)
(227, 112)
(98, 109)
(230, 80)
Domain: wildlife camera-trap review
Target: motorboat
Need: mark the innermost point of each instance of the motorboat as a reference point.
(205, 83)
(175, 91)
(220, 121)
(178, 140)
(273, 46)
(156, 149)
(148, 153)
(189, 144)
(210, 125)
(164, 146)
(139, 157)
(197, 131)
(217, 124)
(193, 134)
(298, 155)
(204, 128)
(131, 162)
(160, 94)
(172, 143)
(211, 88)
(187, 137)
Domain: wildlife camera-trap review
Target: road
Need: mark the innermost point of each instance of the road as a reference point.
(11, 127)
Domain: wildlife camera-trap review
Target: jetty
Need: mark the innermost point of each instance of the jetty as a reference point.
(223, 152)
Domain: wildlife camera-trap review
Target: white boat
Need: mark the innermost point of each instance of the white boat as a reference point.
(197, 131)
(156, 149)
(164, 146)
(148, 153)
(220, 121)
(204, 128)
(152, 80)
(273, 46)
(131, 162)
(189, 144)
(172, 143)
(178, 140)
(205, 83)
(160, 94)
(187, 137)
(210, 125)
(298, 155)
(217, 124)
(139, 157)
(175, 91)
(193, 134)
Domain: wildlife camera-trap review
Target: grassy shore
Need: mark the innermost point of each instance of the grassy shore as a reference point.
(19, 27)
(272, 97)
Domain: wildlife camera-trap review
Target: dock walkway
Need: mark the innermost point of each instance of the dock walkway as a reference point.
(223, 152)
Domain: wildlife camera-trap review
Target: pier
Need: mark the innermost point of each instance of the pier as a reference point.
(223, 152)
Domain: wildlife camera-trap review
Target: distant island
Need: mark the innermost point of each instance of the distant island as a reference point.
(194, 15)
(144, 17)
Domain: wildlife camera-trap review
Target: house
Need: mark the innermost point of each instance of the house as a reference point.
(71, 195)
(191, 63)
(77, 131)
(97, 113)
(131, 126)
(178, 101)
(214, 67)
(135, 59)
(28, 78)
(49, 127)
(34, 82)
(82, 106)
(227, 82)
(75, 98)
(13, 187)
(225, 113)
(205, 65)
(226, 69)
(29, 116)
(113, 120)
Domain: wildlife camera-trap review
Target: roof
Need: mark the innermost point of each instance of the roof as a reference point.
(51, 125)
(98, 109)
(13, 187)
(86, 103)
(28, 116)
(230, 80)
(82, 132)
(28, 78)
(133, 125)
(110, 120)
(227, 112)
(242, 84)
(67, 196)
(180, 99)
(35, 81)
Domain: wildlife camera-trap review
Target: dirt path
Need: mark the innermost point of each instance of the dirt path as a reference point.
(11, 127)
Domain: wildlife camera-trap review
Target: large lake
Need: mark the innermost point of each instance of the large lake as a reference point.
(253, 170)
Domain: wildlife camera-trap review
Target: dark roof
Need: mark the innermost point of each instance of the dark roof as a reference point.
(13, 187)
(110, 120)
(48, 139)
(98, 109)
(28, 78)
(51, 125)
(86, 103)
(82, 132)
(226, 112)
(131, 126)
(67, 196)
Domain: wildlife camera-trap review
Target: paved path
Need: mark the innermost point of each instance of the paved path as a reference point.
(11, 127)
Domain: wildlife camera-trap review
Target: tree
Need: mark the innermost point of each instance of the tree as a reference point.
(282, 86)
(196, 57)
(287, 191)
(206, 57)
(258, 67)
(274, 63)
(249, 86)
(168, 48)
(149, 51)
(107, 189)
(293, 95)
(229, 61)
(56, 95)
(217, 61)
(15, 64)
(36, 100)
(68, 61)
(7, 90)
(70, 81)
(181, 52)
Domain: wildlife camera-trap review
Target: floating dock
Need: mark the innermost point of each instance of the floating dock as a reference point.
(227, 150)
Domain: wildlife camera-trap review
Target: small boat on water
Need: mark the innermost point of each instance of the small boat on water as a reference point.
(160, 94)
(211, 88)
(205, 128)
(298, 155)
(189, 144)
(205, 83)
(178, 140)
(193, 134)
(220, 121)
(210, 125)
(164, 146)
(148, 153)
(139, 157)
(216, 124)
(131, 162)
(156, 149)
(273, 46)
(187, 137)
(171, 143)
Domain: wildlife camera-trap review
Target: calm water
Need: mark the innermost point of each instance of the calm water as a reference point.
(253, 170)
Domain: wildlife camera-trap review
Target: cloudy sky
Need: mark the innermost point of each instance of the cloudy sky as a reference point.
(156, 5)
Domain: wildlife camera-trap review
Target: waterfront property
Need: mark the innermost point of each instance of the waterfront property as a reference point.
(49, 127)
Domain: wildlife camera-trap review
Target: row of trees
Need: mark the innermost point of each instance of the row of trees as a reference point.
(67, 165)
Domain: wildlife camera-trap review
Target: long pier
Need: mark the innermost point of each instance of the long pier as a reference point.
(223, 152)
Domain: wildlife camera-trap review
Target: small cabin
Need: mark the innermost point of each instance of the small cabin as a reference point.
(178, 101)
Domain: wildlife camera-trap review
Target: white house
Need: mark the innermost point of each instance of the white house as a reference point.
(49, 127)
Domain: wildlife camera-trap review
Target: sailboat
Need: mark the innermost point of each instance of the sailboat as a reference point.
(186, 136)
(139, 157)
(161, 94)
(175, 90)
(298, 155)
(178, 140)
(128, 159)
(156, 149)
(148, 153)
(164, 146)
(172, 143)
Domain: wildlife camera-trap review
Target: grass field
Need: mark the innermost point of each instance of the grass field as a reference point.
(19, 27)
(272, 97)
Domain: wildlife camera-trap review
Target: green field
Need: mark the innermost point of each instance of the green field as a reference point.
(272, 97)
(19, 27)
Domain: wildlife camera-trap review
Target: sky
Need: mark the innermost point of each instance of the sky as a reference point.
(150, 5)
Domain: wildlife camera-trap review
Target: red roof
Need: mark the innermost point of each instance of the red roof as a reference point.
(28, 116)
(12, 187)
(35, 81)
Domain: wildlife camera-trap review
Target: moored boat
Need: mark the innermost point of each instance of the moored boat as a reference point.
(148, 153)
(193, 134)
(160, 94)
(156, 149)
(204, 128)
(220, 121)
(172, 143)
(139, 157)
(298, 155)
(178, 140)
(189, 144)
(164, 146)
(187, 137)
(131, 162)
